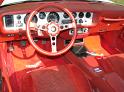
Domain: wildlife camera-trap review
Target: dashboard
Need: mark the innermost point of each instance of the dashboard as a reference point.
(91, 18)
(18, 21)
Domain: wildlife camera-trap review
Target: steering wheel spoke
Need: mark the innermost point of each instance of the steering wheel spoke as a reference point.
(53, 43)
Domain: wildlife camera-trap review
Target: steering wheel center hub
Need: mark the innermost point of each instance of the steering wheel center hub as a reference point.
(53, 29)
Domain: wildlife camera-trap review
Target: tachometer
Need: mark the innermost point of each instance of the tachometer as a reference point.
(53, 17)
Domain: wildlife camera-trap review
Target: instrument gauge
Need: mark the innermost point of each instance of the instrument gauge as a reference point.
(42, 15)
(81, 15)
(88, 15)
(18, 17)
(74, 14)
(53, 17)
(65, 15)
(34, 19)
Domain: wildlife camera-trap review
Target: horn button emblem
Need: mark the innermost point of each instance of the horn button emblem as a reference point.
(53, 29)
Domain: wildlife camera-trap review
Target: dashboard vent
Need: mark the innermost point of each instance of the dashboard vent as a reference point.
(9, 21)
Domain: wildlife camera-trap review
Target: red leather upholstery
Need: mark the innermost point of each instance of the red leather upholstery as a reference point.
(116, 63)
(112, 79)
(63, 78)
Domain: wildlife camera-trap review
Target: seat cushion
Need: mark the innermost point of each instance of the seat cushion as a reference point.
(63, 78)
(116, 63)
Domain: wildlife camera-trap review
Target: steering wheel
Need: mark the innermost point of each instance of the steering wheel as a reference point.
(53, 29)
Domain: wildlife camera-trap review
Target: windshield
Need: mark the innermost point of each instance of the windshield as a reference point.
(7, 2)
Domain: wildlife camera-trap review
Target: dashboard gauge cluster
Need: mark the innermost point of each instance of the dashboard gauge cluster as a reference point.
(18, 21)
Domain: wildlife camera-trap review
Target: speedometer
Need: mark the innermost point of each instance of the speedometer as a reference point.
(53, 17)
